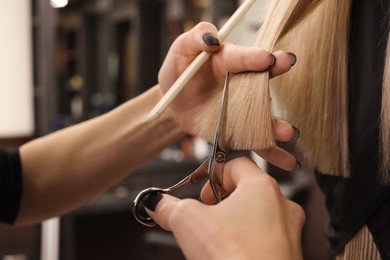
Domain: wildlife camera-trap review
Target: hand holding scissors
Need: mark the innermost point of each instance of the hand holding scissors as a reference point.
(212, 168)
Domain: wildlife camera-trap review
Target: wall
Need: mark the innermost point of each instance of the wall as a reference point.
(16, 90)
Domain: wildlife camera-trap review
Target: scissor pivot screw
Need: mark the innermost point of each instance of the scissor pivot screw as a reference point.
(220, 158)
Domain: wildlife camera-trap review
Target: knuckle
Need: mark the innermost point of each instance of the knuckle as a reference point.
(298, 213)
(271, 183)
(267, 184)
(230, 64)
(181, 211)
(205, 26)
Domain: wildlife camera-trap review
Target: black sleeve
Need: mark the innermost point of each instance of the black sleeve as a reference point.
(10, 185)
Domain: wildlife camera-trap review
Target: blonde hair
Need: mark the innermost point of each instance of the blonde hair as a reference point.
(316, 100)
(249, 125)
(313, 96)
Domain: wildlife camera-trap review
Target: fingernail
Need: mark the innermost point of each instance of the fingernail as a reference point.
(273, 60)
(293, 58)
(211, 40)
(141, 211)
(151, 200)
(297, 134)
(299, 166)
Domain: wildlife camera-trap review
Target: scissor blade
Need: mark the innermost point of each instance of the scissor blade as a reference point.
(218, 156)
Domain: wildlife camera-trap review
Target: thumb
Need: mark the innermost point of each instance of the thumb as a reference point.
(160, 208)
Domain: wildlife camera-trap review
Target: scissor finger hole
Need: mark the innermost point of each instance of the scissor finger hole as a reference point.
(139, 210)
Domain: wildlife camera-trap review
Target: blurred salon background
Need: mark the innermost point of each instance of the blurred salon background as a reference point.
(66, 61)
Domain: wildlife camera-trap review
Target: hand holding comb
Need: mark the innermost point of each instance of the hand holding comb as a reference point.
(196, 64)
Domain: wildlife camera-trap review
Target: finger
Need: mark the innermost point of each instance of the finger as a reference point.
(284, 62)
(234, 171)
(296, 221)
(238, 58)
(280, 158)
(284, 131)
(178, 215)
(244, 176)
(297, 212)
(160, 207)
(207, 194)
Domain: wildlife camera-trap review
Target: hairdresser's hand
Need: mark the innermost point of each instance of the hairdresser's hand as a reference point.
(254, 222)
(226, 57)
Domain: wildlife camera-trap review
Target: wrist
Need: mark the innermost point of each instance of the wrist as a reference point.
(165, 121)
(166, 116)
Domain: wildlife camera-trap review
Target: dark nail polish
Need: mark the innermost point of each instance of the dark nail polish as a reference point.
(293, 58)
(299, 166)
(297, 134)
(273, 60)
(151, 200)
(141, 211)
(211, 40)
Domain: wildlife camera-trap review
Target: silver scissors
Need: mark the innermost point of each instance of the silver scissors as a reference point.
(211, 168)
